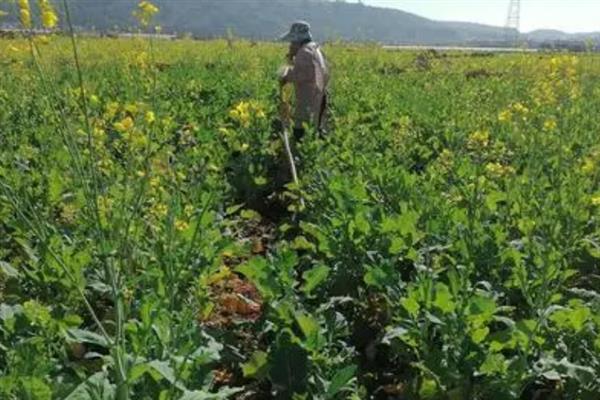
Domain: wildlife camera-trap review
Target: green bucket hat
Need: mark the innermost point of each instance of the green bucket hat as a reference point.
(299, 32)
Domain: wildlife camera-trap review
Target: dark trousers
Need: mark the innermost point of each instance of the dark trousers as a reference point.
(299, 134)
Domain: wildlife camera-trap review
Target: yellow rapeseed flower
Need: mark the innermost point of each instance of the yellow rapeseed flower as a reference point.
(155, 182)
(105, 205)
(446, 158)
(188, 210)
(479, 139)
(25, 17)
(68, 213)
(245, 111)
(505, 116)
(498, 170)
(181, 225)
(150, 117)
(520, 108)
(145, 12)
(24, 5)
(241, 113)
(160, 210)
(550, 124)
(138, 140)
(48, 15)
(105, 165)
(125, 125)
(49, 19)
(131, 108)
(589, 166)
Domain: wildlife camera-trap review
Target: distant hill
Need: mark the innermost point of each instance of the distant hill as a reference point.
(267, 19)
(553, 35)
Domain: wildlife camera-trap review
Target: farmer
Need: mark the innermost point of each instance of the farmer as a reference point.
(310, 76)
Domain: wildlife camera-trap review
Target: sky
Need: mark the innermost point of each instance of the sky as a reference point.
(565, 15)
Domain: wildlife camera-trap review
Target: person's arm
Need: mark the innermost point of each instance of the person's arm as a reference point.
(303, 69)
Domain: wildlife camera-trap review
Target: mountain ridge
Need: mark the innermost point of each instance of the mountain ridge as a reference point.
(267, 19)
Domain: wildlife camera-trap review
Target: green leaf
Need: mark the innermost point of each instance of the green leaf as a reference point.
(95, 387)
(482, 305)
(579, 316)
(526, 226)
(72, 320)
(33, 258)
(443, 298)
(314, 231)
(314, 277)
(233, 209)
(524, 331)
(394, 333)
(8, 384)
(260, 181)
(397, 245)
(404, 224)
(250, 215)
(481, 310)
(137, 371)
(492, 200)
(7, 270)
(561, 317)
(257, 366)
(301, 243)
(479, 335)
(428, 389)
(55, 186)
(410, 305)
(210, 352)
(502, 340)
(552, 375)
(37, 313)
(164, 369)
(494, 364)
(84, 336)
(257, 270)
(339, 380)
(433, 319)
(224, 393)
(311, 330)
(389, 225)
(377, 276)
(362, 223)
(580, 373)
(8, 312)
(35, 389)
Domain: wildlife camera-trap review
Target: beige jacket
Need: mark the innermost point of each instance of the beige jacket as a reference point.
(310, 76)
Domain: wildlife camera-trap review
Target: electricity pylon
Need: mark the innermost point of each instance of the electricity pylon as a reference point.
(513, 22)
